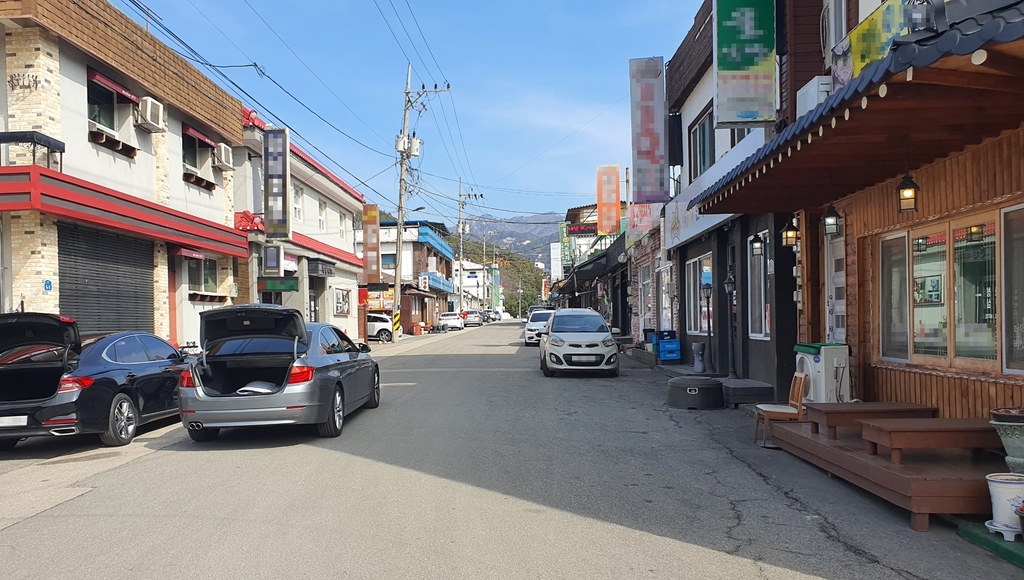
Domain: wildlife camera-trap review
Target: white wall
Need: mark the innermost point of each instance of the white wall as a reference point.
(345, 280)
(191, 199)
(89, 161)
(692, 108)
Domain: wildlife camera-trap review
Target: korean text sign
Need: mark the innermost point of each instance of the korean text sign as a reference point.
(746, 87)
(647, 112)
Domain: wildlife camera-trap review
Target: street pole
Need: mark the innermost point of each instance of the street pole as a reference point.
(405, 152)
(396, 308)
(461, 256)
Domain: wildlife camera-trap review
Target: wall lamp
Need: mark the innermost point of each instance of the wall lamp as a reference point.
(908, 191)
(831, 219)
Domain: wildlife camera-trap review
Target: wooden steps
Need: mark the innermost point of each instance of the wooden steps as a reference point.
(930, 481)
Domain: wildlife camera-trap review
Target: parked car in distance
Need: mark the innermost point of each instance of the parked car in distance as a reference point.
(262, 365)
(474, 318)
(452, 319)
(535, 308)
(539, 318)
(578, 339)
(488, 315)
(379, 326)
(55, 383)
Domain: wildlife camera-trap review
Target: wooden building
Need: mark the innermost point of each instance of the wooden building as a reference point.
(921, 157)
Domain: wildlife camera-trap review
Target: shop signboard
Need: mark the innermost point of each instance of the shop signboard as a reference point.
(746, 85)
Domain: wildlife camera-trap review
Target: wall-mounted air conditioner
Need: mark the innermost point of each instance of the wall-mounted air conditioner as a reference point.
(223, 158)
(150, 115)
(812, 94)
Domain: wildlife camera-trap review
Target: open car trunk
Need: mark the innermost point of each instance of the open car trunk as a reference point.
(245, 375)
(34, 353)
(29, 382)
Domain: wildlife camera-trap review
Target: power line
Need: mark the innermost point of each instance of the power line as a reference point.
(509, 190)
(411, 42)
(311, 71)
(171, 35)
(562, 139)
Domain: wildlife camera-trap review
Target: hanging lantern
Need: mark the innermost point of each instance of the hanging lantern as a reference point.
(832, 218)
(908, 194)
(790, 236)
(729, 284)
(757, 245)
(921, 245)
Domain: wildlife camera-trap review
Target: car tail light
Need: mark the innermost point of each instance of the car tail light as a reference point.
(66, 319)
(71, 384)
(300, 374)
(186, 381)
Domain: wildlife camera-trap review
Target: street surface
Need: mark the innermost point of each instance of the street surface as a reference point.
(474, 466)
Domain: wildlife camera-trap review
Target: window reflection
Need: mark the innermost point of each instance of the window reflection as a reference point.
(974, 278)
(930, 321)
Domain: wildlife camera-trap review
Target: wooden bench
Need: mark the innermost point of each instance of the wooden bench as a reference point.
(832, 415)
(900, 434)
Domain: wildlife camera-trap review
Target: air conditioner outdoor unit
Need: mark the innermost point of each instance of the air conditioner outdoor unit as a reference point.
(150, 115)
(223, 158)
(812, 94)
(94, 126)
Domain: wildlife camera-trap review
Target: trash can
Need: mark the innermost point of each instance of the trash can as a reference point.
(692, 392)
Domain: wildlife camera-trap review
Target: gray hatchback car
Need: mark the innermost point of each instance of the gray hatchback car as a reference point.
(263, 365)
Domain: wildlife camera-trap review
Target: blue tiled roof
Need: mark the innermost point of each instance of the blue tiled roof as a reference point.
(918, 49)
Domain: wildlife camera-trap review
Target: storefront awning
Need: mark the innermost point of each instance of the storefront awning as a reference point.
(931, 96)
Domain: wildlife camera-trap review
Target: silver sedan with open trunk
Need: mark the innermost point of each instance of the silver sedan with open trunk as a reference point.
(262, 365)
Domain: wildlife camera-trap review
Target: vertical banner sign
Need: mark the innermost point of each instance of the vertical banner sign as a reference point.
(745, 84)
(556, 261)
(545, 290)
(277, 189)
(608, 200)
(563, 236)
(371, 244)
(649, 123)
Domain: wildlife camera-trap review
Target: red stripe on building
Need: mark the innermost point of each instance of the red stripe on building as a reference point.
(327, 250)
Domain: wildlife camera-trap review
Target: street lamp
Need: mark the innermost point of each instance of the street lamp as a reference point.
(730, 290)
(705, 292)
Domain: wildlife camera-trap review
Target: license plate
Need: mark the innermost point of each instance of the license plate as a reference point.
(585, 358)
(21, 421)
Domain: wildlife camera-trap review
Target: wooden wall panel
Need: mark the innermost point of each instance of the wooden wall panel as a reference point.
(988, 175)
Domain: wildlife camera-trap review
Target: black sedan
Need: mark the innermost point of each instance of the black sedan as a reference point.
(55, 383)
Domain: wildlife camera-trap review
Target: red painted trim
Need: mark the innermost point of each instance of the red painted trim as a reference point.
(327, 250)
(251, 119)
(203, 139)
(330, 176)
(98, 77)
(216, 236)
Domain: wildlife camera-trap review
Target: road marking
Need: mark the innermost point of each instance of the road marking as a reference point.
(398, 384)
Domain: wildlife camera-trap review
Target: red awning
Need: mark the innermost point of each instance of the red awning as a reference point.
(123, 94)
(204, 141)
(187, 253)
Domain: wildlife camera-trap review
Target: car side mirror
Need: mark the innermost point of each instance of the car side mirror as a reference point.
(616, 331)
(542, 332)
(363, 347)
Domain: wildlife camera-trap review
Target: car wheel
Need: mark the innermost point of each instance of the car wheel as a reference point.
(384, 335)
(336, 419)
(122, 422)
(374, 401)
(8, 444)
(544, 368)
(203, 434)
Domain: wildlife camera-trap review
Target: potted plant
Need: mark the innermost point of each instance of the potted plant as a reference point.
(1007, 491)
(1009, 423)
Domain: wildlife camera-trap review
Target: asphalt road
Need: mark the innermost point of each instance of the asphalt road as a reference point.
(474, 466)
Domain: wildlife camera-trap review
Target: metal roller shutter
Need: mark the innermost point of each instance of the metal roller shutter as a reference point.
(106, 279)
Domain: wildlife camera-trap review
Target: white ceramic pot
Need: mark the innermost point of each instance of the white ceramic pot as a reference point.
(1007, 491)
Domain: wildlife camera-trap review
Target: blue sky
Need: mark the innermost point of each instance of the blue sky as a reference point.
(524, 75)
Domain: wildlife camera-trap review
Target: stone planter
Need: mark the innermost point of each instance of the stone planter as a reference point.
(1007, 491)
(1012, 435)
(1008, 415)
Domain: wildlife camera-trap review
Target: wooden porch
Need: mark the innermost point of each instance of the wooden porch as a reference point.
(930, 481)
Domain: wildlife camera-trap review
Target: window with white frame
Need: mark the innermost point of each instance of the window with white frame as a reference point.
(322, 216)
(102, 103)
(758, 310)
(698, 310)
(343, 230)
(702, 144)
(190, 152)
(202, 276)
(297, 195)
(737, 135)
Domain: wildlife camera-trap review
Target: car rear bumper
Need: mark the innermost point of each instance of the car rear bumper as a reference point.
(56, 416)
(295, 404)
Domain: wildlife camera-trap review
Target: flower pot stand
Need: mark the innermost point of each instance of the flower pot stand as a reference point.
(1009, 534)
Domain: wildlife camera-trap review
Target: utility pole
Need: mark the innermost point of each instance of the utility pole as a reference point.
(407, 147)
(462, 230)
